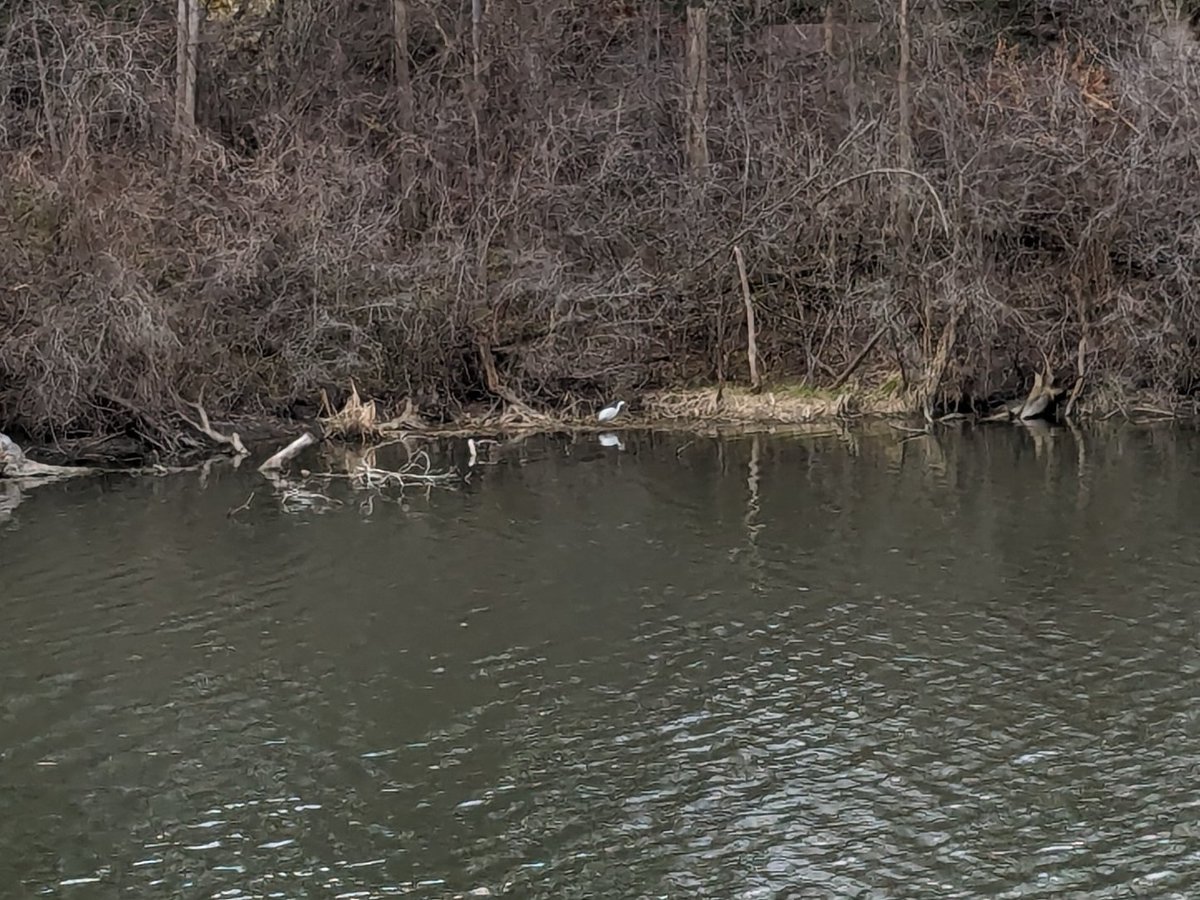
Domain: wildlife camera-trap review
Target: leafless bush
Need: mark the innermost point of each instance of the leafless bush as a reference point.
(531, 211)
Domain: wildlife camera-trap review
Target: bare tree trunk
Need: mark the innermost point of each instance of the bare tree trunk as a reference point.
(935, 359)
(48, 105)
(527, 19)
(404, 95)
(477, 91)
(187, 50)
(697, 90)
(751, 330)
(904, 145)
(851, 88)
(476, 33)
(400, 62)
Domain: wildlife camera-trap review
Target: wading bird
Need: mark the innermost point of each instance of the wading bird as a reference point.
(611, 412)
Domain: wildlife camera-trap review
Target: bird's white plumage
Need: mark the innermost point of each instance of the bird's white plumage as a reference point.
(611, 412)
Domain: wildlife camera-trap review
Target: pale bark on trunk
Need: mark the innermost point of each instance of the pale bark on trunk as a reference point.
(851, 88)
(400, 68)
(751, 329)
(187, 51)
(697, 90)
(402, 74)
(477, 88)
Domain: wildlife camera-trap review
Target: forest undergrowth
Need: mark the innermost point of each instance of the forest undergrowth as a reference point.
(537, 205)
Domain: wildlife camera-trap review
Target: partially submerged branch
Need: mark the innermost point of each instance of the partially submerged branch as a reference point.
(296, 495)
(15, 464)
(292, 450)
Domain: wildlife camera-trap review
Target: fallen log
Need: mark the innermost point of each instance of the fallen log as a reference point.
(15, 464)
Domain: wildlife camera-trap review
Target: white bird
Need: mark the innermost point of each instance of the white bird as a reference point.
(611, 412)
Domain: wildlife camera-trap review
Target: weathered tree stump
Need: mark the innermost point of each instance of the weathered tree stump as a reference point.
(1042, 399)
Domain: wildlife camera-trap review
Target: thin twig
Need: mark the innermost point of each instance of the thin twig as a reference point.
(238, 509)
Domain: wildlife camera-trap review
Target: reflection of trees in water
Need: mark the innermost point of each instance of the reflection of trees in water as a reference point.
(10, 499)
(753, 526)
(560, 668)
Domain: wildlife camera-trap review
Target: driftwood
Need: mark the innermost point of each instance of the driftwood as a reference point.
(295, 493)
(15, 464)
(276, 462)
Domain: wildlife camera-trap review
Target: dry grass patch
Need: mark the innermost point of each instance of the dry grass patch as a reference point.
(784, 405)
(356, 419)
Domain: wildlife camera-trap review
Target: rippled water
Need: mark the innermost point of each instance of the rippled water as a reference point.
(765, 667)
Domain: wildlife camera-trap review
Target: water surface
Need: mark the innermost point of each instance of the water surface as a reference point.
(759, 667)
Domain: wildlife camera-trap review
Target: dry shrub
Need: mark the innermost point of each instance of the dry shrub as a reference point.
(325, 232)
(356, 419)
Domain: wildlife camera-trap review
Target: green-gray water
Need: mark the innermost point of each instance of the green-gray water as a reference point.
(768, 667)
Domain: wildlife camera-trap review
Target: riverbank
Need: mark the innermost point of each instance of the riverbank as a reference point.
(783, 407)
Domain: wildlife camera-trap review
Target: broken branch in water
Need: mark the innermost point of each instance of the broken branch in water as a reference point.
(917, 432)
(293, 498)
(418, 470)
(237, 509)
(276, 462)
(295, 495)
